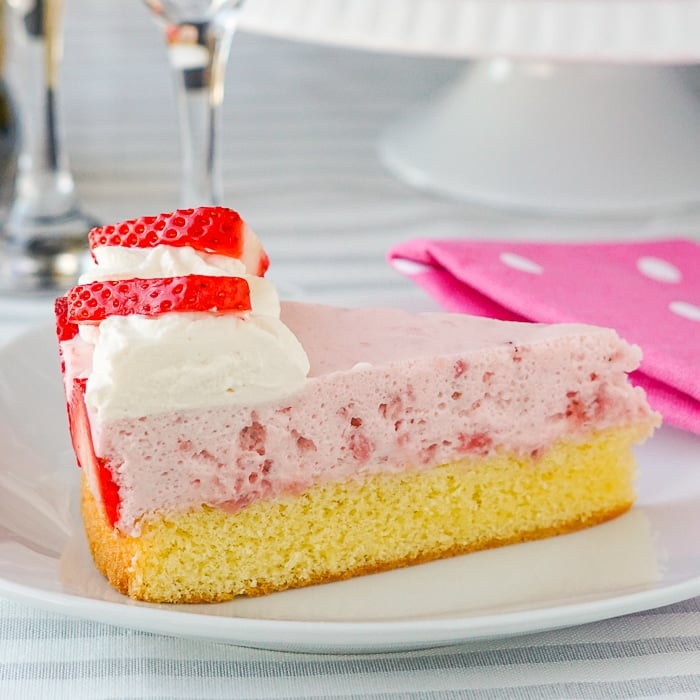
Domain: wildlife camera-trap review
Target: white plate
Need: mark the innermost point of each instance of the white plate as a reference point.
(644, 559)
(641, 31)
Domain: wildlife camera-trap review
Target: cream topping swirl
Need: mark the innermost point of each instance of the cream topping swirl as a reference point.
(144, 365)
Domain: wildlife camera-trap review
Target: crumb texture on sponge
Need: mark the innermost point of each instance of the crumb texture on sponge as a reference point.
(383, 521)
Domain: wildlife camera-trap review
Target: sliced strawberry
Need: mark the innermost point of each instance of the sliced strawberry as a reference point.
(77, 421)
(65, 329)
(263, 264)
(83, 447)
(93, 302)
(109, 492)
(207, 229)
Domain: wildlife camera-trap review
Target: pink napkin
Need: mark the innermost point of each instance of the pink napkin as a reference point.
(648, 291)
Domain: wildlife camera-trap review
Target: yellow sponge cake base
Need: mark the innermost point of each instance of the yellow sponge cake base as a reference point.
(338, 530)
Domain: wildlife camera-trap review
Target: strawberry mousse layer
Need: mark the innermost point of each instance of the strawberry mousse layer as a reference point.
(386, 391)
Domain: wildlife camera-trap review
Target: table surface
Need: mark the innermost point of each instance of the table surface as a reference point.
(301, 127)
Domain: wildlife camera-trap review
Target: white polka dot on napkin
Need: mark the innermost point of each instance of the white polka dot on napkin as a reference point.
(648, 291)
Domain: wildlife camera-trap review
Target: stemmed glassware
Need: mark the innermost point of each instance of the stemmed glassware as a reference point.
(43, 239)
(198, 34)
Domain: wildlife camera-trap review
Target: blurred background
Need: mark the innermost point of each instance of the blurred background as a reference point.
(321, 98)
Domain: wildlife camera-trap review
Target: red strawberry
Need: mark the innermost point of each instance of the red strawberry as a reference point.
(77, 421)
(207, 229)
(93, 302)
(65, 329)
(263, 263)
(81, 437)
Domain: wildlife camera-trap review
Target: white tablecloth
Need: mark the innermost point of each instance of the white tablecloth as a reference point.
(300, 164)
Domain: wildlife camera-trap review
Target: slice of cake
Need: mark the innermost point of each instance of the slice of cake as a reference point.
(232, 445)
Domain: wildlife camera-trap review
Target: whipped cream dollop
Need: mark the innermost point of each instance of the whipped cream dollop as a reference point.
(143, 365)
(118, 263)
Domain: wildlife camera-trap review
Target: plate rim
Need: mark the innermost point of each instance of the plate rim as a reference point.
(331, 636)
(334, 636)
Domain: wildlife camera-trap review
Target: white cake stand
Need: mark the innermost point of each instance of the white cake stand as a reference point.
(579, 106)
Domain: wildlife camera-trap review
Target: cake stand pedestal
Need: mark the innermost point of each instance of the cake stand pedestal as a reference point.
(567, 107)
(556, 138)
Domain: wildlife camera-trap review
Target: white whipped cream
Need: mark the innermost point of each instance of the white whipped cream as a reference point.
(118, 263)
(176, 361)
(182, 360)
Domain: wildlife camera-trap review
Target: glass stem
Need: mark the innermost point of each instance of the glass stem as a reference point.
(199, 55)
(44, 185)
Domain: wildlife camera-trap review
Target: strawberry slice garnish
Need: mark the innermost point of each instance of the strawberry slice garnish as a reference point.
(94, 302)
(263, 263)
(207, 229)
(84, 449)
(78, 421)
(65, 329)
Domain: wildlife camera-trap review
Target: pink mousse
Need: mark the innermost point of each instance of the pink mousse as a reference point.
(388, 391)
